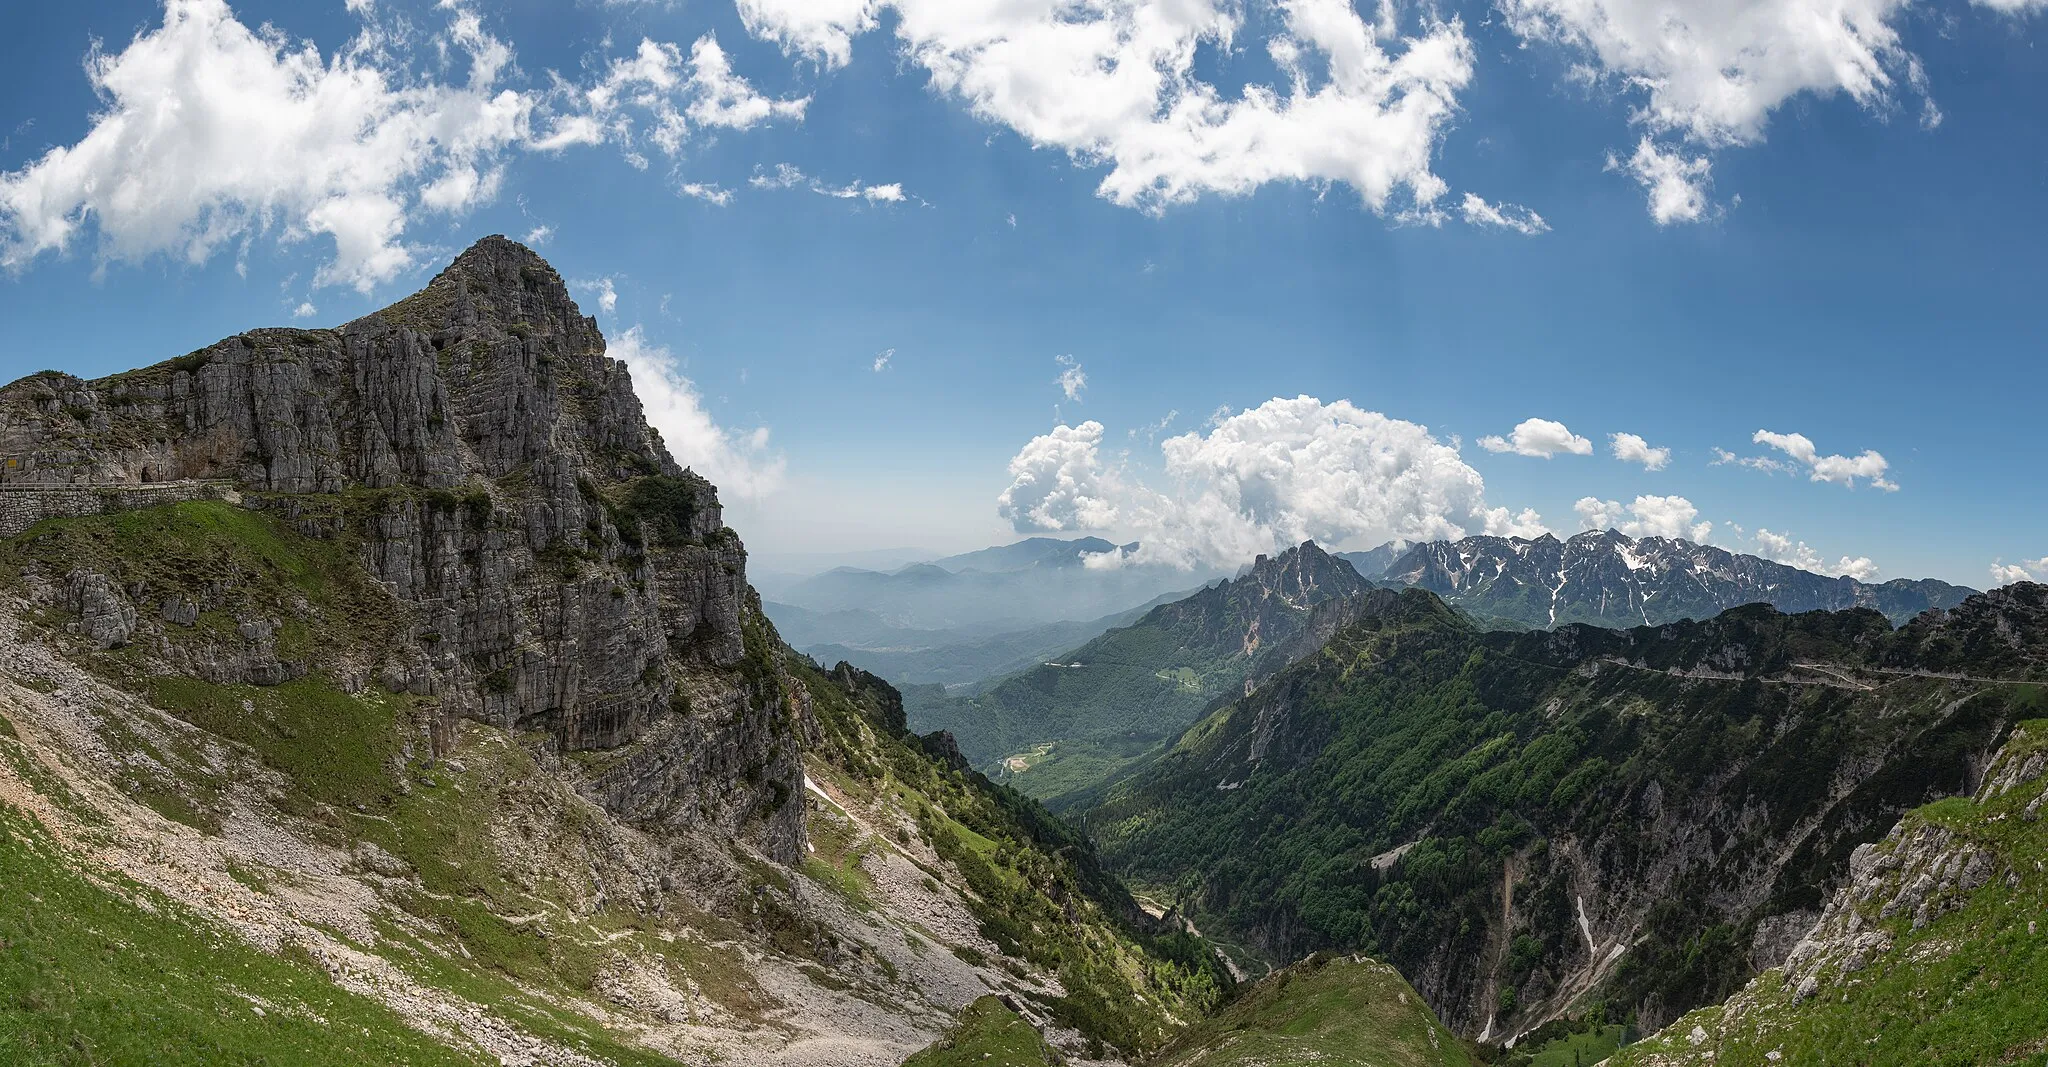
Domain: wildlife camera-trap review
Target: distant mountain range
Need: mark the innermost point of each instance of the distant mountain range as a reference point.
(975, 616)
(959, 657)
(1012, 587)
(1609, 579)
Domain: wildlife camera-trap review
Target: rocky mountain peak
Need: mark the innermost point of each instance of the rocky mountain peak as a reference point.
(549, 566)
(497, 283)
(1607, 578)
(1301, 571)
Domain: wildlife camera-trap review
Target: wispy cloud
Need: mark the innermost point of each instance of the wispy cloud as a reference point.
(1071, 379)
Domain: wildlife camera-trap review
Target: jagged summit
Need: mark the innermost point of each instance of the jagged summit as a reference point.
(549, 566)
(495, 282)
(1607, 578)
(489, 369)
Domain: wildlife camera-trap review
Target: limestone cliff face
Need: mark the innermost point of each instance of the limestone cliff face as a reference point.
(1934, 924)
(549, 567)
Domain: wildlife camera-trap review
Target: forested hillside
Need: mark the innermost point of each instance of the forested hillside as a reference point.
(1530, 824)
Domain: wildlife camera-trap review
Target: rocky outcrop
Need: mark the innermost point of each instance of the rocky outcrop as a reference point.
(1956, 881)
(548, 565)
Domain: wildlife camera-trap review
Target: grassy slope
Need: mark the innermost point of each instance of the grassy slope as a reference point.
(1037, 888)
(96, 972)
(522, 944)
(989, 1034)
(1324, 1010)
(1969, 988)
(344, 758)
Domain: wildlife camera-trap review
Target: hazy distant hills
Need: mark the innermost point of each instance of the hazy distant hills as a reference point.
(938, 657)
(1012, 587)
(973, 616)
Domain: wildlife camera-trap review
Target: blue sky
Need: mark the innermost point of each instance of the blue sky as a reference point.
(1852, 257)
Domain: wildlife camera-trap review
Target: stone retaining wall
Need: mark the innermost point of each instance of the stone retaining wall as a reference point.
(22, 506)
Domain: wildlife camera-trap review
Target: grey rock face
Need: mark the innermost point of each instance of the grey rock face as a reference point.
(478, 453)
(105, 615)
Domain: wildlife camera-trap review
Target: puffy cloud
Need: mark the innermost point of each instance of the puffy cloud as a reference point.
(1677, 185)
(1259, 480)
(305, 310)
(1674, 517)
(1710, 74)
(211, 133)
(2026, 570)
(1541, 438)
(723, 99)
(538, 236)
(655, 94)
(1071, 379)
(882, 359)
(739, 463)
(1115, 85)
(1057, 482)
(1630, 448)
(1514, 217)
(1783, 549)
(1843, 470)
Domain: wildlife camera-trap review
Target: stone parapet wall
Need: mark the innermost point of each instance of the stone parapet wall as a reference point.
(22, 506)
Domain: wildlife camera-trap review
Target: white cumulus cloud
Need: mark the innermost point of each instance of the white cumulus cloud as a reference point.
(1630, 448)
(210, 132)
(1674, 517)
(740, 463)
(655, 95)
(1783, 549)
(2026, 570)
(1541, 438)
(1841, 470)
(1259, 480)
(1710, 74)
(1677, 184)
(1058, 482)
(1115, 85)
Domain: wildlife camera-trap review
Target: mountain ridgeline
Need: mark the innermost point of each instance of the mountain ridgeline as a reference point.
(395, 675)
(1069, 722)
(1531, 824)
(389, 693)
(1609, 579)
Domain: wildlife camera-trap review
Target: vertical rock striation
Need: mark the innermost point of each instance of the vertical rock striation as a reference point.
(550, 566)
